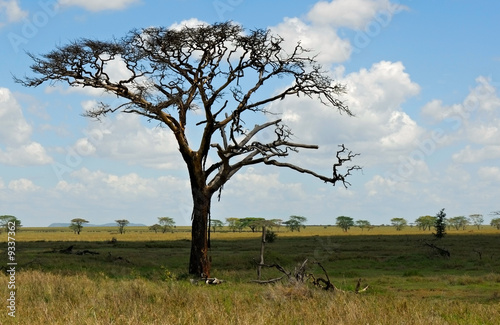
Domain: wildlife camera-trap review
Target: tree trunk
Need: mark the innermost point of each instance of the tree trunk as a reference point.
(199, 262)
(262, 248)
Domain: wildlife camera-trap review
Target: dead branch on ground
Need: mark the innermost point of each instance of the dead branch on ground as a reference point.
(300, 276)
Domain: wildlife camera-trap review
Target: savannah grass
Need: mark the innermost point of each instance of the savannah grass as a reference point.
(141, 278)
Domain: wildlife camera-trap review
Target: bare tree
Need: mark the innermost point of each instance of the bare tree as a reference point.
(173, 72)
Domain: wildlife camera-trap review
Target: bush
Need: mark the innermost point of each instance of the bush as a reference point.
(271, 236)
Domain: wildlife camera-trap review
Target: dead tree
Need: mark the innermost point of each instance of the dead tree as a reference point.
(190, 78)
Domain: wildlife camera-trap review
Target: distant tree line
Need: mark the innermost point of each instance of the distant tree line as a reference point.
(425, 223)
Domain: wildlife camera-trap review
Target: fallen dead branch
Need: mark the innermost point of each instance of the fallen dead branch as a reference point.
(441, 251)
(301, 276)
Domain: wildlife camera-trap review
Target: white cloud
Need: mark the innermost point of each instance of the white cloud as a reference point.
(381, 131)
(93, 192)
(403, 131)
(125, 138)
(255, 187)
(14, 129)
(193, 22)
(22, 185)
(325, 42)
(476, 121)
(10, 12)
(471, 155)
(319, 32)
(32, 153)
(355, 14)
(489, 173)
(15, 134)
(99, 5)
(482, 102)
(382, 88)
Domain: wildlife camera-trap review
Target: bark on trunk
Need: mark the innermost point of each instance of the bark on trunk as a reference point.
(262, 248)
(199, 262)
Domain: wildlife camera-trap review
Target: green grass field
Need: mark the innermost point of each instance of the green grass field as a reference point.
(140, 278)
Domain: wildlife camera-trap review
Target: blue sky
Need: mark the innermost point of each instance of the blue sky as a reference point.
(423, 79)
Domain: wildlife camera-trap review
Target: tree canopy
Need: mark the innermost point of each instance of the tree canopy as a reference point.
(344, 222)
(167, 223)
(207, 77)
(425, 222)
(363, 224)
(6, 219)
(295, 223)
(77, 225)
(121, 225)
(399, 223)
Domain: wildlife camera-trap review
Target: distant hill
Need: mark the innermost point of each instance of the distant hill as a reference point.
(111, 224)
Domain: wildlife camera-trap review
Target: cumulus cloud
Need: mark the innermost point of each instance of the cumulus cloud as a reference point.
(193, 22)
(127, 139)
(381, 130)
(22, 185)
(476, 120)
(14, 129)
(15, 134)
(489, 173)
(475, 155)
(325, 42)
(10, 12)
(32, 153)
(319, 30)
(99, 5)
(355, 14)
(130, 193)
(482, 101)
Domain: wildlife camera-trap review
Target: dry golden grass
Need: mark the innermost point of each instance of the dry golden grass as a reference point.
(408, 285)
(183, 233)
(45, 298)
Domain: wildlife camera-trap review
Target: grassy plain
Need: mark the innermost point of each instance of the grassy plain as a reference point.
(141, 278)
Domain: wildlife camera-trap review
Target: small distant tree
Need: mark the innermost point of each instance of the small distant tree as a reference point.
(251, 222)
(495, 222)
(277, 223)
(6, 223)
(363, 224)
(156, 227)
(458, 223)
(344, 222)
(425, 222)
(295, 223)
(233, 223)
(77, 225)
(121, 225)
(167, 223)
(477, 220)
(216, 224)
(399, 223)
(440, 224)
